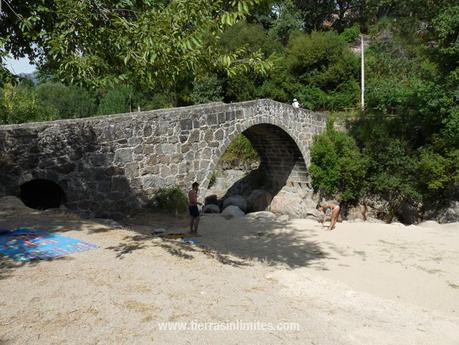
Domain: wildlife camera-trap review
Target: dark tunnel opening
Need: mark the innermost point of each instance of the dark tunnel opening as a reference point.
(42, 194)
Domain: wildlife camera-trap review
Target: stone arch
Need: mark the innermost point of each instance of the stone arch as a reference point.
(281, 154)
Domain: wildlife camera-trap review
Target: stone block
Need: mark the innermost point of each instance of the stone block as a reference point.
(219, 134)
(212, 119)
(123, 155)
(186, 125)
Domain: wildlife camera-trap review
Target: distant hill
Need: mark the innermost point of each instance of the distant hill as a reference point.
(33, 77)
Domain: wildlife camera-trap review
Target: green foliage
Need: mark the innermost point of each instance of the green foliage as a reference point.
(208, 89)
(20, 104)
(105, 43)
(116, 100)
(319, 69)
(70, 102)
(411, 127)
(172, 200)
(240, 151)
(433, 170)
(351, 34)
(213, 179)
(337, 166)
(289, 20)
(446, 26)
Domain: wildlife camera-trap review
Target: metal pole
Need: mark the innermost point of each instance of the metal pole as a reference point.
(362, 73)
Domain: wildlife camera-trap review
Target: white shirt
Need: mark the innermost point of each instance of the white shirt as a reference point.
(296, 104)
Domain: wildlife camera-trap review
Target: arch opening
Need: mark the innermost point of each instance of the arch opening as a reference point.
(42, 194)
(280, 165)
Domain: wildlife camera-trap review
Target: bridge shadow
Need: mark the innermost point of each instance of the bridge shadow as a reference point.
(238, 242)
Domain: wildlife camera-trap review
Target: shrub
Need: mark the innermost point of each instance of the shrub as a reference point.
(240, 151)
(351, 34)
(338, 168)
(171, 200)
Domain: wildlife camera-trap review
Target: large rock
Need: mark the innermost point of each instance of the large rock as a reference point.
(449, 214)
(235, 200)
(211, 200)
(211, 208)
(232, 211)
(293, 205)
(378, 208)
(265, 215)
(259, 200)
(357, 213)
(226, 181)
(283, 218)
(407, 214)
(12, 203)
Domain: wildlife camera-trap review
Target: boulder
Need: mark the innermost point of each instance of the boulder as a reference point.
(357, 213)
(283, 218)
(407, 214)
(232, 211)
(211, 200)
(312, 214)
(235, 200)
(378, 208)
(262, 215)
(12, 203)
(290, 204)
(449, 214)
(211, 208)
(259, 200)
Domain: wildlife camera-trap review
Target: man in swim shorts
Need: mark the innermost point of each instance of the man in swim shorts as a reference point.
(193, 207)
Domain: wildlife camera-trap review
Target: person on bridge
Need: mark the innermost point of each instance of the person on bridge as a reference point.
(193, 207)
(332, 207)
(295, 103)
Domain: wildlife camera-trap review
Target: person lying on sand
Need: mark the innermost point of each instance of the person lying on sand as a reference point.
(193, 208)
(334, 208)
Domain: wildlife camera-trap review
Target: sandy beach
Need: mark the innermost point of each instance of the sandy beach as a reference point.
(364, 283)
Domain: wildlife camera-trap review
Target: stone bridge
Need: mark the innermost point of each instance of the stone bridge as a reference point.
(111, 164)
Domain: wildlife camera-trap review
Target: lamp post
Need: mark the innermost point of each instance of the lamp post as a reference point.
(362, 74)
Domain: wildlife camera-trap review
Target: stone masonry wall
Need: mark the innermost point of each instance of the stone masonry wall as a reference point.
(110, 164)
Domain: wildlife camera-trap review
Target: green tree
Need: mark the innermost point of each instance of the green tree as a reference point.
(19, 104)
(207, 89)
(319, 69)
(338, 168)
(116, 100)
(106, 42)
(69, 101)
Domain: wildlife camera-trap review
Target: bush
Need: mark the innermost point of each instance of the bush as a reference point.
(338, 168)
(116, 100)
(351, 34)
(171, 200)
(240, 151)
(206, 90)
(69, 101)
(18, 104)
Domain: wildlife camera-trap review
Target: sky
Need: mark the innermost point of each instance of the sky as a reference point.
(19, 66)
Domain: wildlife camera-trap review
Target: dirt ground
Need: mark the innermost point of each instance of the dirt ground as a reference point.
(360, 284)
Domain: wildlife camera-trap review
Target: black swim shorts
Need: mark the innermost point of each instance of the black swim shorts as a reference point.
(194, 212)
